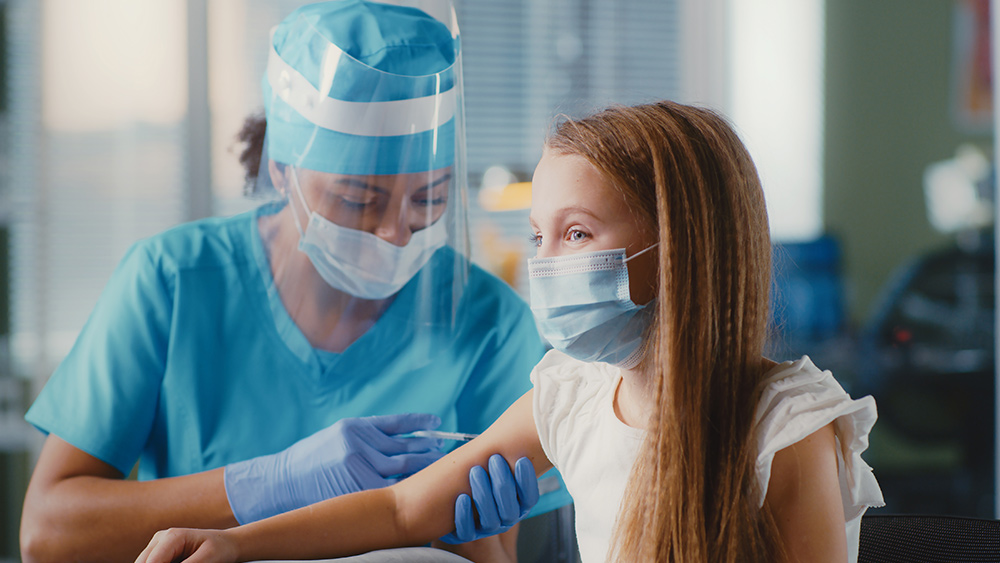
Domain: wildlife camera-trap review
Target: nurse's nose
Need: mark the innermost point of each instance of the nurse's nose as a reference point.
(394, 229)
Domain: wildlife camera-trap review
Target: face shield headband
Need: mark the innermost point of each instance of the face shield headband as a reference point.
(392, 109)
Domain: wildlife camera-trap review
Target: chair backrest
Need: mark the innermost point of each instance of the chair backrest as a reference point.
(549, 538)
(912, 538)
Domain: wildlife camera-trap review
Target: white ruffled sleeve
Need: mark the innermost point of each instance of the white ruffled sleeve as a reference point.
(799, 399)
(551, 406)
(567, 404)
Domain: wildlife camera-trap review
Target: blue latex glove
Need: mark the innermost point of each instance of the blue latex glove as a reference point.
(351, 455)
(502, 499)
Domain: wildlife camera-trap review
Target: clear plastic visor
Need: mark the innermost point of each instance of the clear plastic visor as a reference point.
(391, 207)
(370, 166)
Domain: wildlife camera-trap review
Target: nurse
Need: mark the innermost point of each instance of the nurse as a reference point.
(251, 365)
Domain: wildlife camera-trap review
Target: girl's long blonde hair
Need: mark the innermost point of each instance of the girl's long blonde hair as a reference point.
(693, 494)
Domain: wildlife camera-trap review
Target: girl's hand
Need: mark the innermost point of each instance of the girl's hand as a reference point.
(186, 544)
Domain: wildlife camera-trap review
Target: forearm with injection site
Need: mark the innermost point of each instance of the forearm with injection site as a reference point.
(412, 512)
(346, 525)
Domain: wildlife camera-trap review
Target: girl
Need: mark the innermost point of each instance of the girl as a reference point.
(677, 440)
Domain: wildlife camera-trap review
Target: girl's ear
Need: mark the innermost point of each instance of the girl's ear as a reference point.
(278, 178)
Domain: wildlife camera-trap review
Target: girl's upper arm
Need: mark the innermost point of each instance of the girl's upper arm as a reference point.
(803, 495)
(429, 495)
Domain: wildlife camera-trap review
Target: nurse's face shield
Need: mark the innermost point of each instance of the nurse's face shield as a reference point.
(391, 207)
(368, 141)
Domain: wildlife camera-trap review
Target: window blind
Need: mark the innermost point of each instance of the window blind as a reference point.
(527, 60)
(97, 159)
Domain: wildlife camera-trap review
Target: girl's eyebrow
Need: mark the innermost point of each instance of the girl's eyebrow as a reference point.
(577, 209)
(566, 211)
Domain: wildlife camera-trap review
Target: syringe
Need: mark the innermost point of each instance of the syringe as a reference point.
(458, 436)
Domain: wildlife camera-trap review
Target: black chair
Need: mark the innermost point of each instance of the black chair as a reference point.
(549, 538)
(928, 357)
(911, 538)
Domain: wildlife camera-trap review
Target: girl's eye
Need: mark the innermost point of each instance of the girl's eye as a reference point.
(576, 235)
(535, 239)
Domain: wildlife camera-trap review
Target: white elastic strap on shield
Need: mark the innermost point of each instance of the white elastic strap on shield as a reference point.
(302, 198)
(369, 119)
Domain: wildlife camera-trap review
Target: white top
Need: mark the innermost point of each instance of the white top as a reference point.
(594, 450)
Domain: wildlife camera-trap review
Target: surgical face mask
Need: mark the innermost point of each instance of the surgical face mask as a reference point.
(360, 263)
(582, 307)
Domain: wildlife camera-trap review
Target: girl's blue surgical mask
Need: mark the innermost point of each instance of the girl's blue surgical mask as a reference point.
(360, 263)
(582, 306)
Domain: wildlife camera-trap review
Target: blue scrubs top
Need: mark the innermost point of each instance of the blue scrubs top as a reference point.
(187, 363)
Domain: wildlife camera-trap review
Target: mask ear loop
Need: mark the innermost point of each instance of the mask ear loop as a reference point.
(625, 261)
(298, 190)
(643, 251)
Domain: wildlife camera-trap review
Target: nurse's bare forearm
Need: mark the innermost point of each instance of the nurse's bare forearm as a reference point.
(79, 508)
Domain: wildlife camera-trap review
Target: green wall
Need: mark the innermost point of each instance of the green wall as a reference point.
(888, 115)
(3, 57)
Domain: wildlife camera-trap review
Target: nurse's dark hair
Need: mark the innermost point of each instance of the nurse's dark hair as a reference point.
(693, 494)
(251, 137)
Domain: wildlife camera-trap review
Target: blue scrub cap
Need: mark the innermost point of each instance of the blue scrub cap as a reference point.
(357, 87)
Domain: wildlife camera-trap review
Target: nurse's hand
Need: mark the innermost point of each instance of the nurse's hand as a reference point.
(501, 499)
(351, 455)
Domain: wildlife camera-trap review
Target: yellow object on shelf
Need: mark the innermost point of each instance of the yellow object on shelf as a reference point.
(510, 197)
(502, 257)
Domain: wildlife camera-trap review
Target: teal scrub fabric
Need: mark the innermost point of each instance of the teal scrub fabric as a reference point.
(187, 363)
